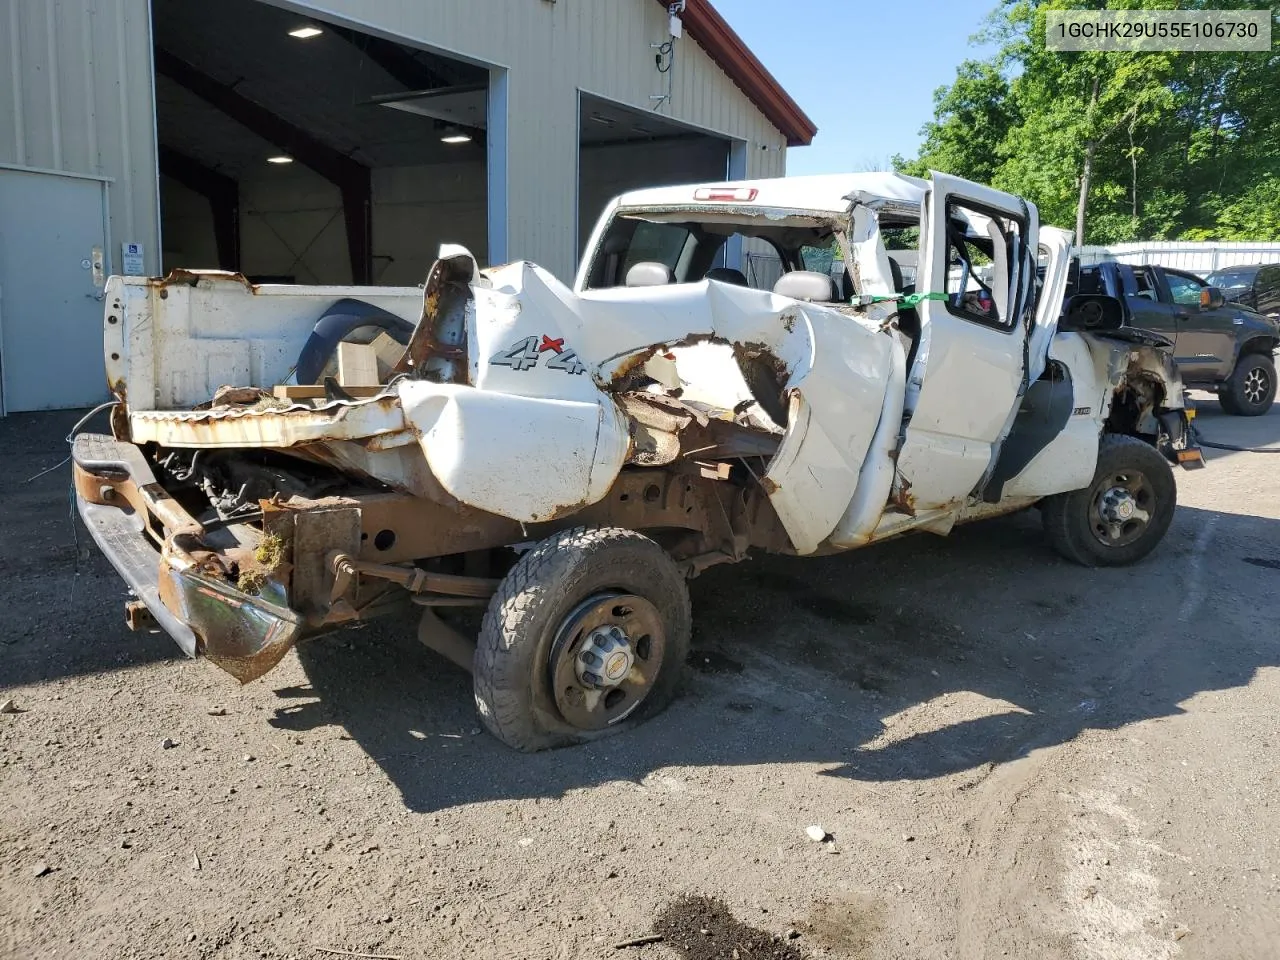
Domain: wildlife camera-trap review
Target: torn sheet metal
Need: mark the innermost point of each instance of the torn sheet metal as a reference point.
(270, 427)
(536, 339)
(244, 634)
(872, 275)
(437, 349)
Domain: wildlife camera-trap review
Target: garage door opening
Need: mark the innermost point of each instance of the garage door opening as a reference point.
(298, 151)
(621, 149)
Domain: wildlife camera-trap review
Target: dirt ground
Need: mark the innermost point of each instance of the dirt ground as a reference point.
(1012, 756)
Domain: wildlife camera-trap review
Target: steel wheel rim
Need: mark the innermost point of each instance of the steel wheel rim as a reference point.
(1122, 508)
(586, 630)
(1256, 385)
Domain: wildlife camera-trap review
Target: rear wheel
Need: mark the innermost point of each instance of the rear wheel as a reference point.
(586, 635)
(1123, 514)
(1251, 389)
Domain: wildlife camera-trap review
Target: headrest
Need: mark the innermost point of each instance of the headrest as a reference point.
(806, 285)
(648, 274)
(728, 275)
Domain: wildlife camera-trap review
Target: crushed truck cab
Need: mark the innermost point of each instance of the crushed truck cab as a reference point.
(285, 461)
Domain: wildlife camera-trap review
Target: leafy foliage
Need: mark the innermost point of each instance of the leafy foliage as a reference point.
(1165, 145)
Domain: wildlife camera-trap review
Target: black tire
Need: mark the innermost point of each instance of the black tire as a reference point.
(513, 661)
(1074, 522)
(1251, 389)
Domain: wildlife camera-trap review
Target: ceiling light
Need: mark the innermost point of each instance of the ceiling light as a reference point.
(280, 159)
(455, 135)
(306, 33)
(601, 119)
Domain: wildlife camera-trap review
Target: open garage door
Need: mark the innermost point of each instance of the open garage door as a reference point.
(296, 150)
(622, 149)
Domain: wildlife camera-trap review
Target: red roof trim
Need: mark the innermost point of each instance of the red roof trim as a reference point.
(705, 25)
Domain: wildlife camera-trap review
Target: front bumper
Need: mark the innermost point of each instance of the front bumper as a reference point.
(157, 548)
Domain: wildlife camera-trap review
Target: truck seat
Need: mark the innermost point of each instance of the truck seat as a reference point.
(647, 273)
(806, 285)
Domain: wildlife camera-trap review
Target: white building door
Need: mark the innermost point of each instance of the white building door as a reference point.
(50, 312)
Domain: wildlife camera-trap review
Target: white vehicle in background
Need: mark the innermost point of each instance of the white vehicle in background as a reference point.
(289, 460)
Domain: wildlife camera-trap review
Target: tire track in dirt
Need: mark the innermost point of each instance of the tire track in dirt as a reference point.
(1029, 873)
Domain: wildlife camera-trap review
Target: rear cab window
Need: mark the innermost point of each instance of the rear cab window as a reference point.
(746, 251)
(1145, 284)
(664, 243)
(1088, 281)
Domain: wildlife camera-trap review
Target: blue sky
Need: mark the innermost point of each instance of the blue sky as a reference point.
(868, 99)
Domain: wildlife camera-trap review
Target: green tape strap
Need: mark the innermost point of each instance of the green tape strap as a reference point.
(908, 300)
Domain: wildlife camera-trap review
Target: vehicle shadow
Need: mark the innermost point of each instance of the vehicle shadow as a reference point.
(62, 599)
(1217, 426)
(919, 659)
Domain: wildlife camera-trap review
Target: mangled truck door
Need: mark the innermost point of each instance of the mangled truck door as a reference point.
(977, 268)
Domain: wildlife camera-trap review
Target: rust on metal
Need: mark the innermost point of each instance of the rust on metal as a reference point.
(618, 379)
(901, 498)
(113, 488)
(761, 353)
(119, 416)
(250, 602)
(423, 584)
(138, 618)
(181, 276)
(437, 350)
(693, 473)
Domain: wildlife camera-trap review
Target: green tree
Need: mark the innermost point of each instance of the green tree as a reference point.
(1125, 145)
(1255, 215)
(970, 115)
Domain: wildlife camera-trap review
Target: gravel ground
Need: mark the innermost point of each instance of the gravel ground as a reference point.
(1010, 755)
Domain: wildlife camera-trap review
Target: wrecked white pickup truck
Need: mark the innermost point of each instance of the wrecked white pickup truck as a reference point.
(289, 460)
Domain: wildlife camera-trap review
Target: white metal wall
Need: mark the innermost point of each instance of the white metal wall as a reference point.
(551, 51)
(1197, 257)
(76, 97)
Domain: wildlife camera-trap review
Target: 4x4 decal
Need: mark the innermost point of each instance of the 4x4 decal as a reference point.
(524, 355)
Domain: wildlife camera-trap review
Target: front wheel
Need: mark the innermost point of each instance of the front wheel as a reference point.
(1121, 516)
(586, 635)
(1251, 388)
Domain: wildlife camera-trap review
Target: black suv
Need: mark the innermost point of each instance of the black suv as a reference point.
(1256, 285)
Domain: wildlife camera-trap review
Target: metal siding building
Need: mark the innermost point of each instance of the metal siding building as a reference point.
(79, 101)
(116, 92)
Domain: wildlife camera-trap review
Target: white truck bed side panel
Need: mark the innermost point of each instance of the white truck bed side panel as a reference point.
(175, 341)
